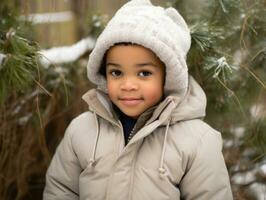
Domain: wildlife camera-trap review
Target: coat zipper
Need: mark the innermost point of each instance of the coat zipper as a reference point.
(131, 134)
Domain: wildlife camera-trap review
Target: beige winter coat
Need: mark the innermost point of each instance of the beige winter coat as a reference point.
(174, 156)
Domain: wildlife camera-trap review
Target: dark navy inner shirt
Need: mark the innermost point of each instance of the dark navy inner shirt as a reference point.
(128, 124)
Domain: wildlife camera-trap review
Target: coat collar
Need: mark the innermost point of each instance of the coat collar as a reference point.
(99, 103)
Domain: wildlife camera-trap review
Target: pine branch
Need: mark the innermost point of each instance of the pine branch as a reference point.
(201, 37)
(19, 63)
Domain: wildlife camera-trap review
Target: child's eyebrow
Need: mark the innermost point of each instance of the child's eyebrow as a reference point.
(113, 64)
(138, 65)
(146, 64)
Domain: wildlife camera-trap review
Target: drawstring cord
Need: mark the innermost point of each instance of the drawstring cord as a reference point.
(161, 169)
(92, 159)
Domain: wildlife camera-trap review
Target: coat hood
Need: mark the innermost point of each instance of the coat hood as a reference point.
(193, 105)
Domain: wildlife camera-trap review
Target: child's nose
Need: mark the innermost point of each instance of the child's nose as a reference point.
(129, 84)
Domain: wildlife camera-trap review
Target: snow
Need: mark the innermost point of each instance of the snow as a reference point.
(244, 178)
(21, 103)
(250, 177)
(41, 18)
(66, 54)
(228, 143)
(23, 120)
(249, 152)
(239, 56)
(2, 58)
(222, 66)
(258, 111)
(238, 132)
(259, 190)
(263, 170)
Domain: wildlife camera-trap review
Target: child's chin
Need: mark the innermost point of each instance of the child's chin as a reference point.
(131, 114)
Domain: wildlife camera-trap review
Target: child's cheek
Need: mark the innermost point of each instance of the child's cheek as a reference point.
(112, 89)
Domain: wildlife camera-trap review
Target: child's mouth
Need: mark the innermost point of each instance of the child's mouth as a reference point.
(130, 101)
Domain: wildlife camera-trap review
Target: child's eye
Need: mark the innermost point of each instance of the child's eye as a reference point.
(144, 73)
(115, 73)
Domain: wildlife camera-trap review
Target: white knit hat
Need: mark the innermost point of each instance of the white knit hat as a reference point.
(163, 31)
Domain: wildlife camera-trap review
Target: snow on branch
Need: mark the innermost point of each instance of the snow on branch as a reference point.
(2, 58)
(66, 54)
(253, 179)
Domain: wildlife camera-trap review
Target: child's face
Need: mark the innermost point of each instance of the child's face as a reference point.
(135, 78)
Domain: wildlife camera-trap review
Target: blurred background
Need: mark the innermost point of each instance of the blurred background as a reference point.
(44, 48)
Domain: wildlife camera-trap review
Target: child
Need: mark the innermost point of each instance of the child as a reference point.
(143, 137)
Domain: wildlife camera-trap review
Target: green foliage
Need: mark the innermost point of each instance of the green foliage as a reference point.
(96, 23)
(9, 19)
(228, 51)
(228, 58)
(19, 66)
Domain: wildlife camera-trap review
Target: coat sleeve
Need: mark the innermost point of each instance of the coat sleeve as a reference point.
(206, 176)
(62, 177)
